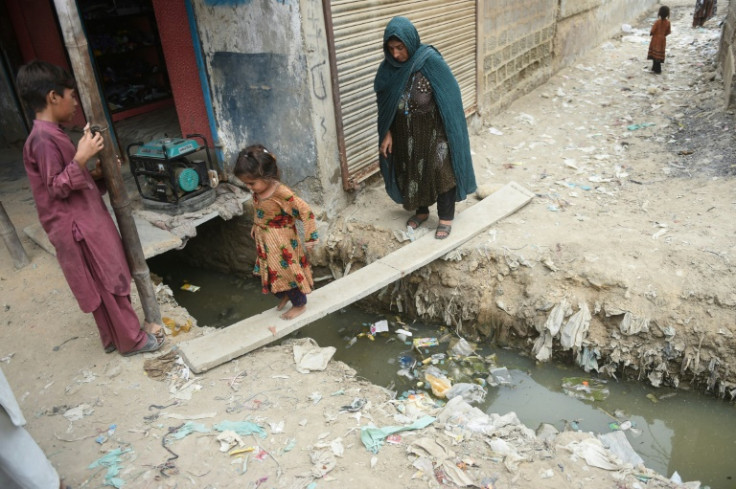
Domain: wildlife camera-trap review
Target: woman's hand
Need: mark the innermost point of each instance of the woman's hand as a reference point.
(310, 244)
(253, 232)
(387, 145)
(88, 146)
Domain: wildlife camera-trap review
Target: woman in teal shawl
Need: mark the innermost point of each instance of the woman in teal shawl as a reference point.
(424, 145)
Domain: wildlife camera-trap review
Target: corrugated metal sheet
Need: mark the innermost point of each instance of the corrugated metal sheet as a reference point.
(358, 26)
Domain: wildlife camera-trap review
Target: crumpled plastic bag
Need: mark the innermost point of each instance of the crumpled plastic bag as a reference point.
(308, 355)
(188, 428)
(373, 437)
(439, 383)
(469, 392)
(229, 439)
(574, 331)
(241, 428)
(111, 460)
(323, 462)
(592, 451)
(620, 446)
(460, 414)
(462, 348)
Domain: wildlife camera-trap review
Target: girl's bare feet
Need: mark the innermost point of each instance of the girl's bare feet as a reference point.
(282, 304)
(293, 312)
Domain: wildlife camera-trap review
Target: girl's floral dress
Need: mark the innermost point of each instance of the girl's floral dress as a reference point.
(280, 258)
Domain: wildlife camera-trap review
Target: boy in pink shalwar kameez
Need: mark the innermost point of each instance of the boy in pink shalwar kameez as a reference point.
(71, 210)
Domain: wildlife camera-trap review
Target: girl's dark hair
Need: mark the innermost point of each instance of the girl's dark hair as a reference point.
(256, 162)
(664, 12)
(36, 79)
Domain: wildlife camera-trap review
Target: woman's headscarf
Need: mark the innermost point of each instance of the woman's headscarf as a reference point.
(390, 82)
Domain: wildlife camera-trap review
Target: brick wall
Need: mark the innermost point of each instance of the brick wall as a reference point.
(523, 42)
(516, 39)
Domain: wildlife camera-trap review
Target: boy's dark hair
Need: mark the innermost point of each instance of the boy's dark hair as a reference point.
(256, 162)
(36, 79)
(664, 12)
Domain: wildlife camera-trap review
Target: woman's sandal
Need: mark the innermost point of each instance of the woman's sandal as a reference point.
(152, 344)
(443, 231)
(415, 221)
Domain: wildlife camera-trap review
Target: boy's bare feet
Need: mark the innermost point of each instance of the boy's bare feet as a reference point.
(282, 304)
(293, 312)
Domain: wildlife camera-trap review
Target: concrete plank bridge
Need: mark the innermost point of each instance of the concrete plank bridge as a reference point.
(225, 344)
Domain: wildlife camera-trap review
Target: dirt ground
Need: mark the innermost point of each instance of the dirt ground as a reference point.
(633, 175)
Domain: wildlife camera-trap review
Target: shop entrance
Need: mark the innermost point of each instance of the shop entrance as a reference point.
(127, 56)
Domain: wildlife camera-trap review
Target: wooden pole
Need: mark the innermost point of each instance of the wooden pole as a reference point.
(79, 55)
(12, 242)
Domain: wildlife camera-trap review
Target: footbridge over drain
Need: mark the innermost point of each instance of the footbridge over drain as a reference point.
(225, 344)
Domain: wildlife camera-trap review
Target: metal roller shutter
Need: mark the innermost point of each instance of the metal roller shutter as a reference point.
(356, 51)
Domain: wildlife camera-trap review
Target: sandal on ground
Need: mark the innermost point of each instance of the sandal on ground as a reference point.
(415, 221)
(110, 348)
(152, 344)
(443, 231)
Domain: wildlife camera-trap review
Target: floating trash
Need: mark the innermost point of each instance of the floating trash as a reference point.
(425, 342)
(499, 376)
(585, 389)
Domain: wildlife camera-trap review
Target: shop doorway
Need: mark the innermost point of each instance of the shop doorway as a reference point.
(127, 56)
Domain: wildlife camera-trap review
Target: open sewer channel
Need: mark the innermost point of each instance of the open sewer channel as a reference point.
(672, 430)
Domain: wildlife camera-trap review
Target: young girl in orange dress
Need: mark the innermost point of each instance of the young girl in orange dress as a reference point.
(281, 261)
(660, 30)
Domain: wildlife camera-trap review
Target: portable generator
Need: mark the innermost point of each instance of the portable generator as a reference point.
(172, 175)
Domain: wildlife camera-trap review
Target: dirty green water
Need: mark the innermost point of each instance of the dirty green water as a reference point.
(673, 430)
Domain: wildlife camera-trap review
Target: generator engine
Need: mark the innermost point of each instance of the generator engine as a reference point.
(173, 174)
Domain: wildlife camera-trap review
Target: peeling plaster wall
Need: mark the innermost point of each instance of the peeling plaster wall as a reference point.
(323, 114)
(258, 74)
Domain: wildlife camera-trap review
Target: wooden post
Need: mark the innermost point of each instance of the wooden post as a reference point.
(12, 242)
(79, 55)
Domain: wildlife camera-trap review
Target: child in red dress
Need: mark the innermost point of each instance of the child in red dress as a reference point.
(281, 260)
(660, 30)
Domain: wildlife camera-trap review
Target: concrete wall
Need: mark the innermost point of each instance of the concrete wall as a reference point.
(726, 54)
(515, 43)
(583, 24)
(523, 42)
